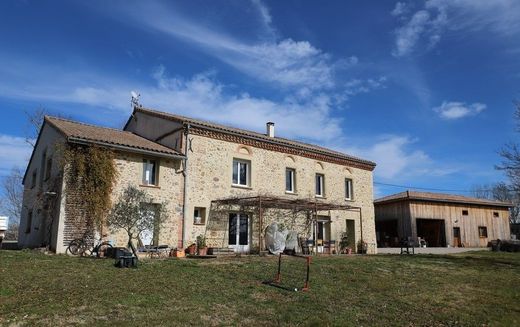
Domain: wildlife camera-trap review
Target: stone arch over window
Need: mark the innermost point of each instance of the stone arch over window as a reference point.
(243, 149)
(319, 165)
(290, 159)
(348, 170)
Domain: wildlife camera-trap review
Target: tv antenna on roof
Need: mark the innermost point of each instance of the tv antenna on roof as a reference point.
(134, 102)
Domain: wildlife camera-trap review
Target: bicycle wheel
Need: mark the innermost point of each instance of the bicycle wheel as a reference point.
(75, 247)
(102, 248)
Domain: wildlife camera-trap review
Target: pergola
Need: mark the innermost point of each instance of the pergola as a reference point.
(261, 202)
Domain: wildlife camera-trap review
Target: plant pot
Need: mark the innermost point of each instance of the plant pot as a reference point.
(203, 251)
(179, 253)
(192, 249)
(348, 251)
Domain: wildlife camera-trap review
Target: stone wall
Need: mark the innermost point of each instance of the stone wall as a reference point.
(169, 191)
(210, 178)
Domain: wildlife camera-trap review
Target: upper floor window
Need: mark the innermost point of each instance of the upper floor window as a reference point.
(150, 170)
(465, 212)
(33, 178)
(241, 172)
(320, 183)
(290, 175)
(48, 168)
(349, 195)
(496, 214)
(42, 168)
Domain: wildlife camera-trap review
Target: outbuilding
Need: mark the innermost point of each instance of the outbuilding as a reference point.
(440, 220)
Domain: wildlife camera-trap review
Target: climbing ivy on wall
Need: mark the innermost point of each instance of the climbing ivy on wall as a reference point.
(90, 175)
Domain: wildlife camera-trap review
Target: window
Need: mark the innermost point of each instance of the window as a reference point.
(348, 189)
(241, 172)
(199, 216)
(33, 178)
(149, 172)
(29, 222)
(42, 168)
(495, 214)
(289, 180)
(48, 169)
(319, 184)
(482, 231)
(464, 212)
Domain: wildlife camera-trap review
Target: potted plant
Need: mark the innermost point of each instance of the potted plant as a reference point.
(192, 249)
(201, 245)
(344, 244)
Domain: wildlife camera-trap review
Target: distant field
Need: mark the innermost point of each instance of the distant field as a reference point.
(469, 289)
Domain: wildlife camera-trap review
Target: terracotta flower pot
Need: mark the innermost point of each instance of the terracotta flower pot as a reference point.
(192, 249)
(203, 251)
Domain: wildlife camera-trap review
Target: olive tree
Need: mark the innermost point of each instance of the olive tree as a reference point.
(131, 213)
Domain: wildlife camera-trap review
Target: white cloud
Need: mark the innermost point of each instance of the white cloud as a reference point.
(400, 9)
(392, 156)
(425, 27)
(14, 152)
(455, 110)
(284, 62)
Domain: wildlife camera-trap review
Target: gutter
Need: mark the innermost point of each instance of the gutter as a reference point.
(77, 140)
(185, 195)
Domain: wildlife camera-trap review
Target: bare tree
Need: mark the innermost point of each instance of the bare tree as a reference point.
(11, 202)
(34, 124)
(131, 213)
(500, 192)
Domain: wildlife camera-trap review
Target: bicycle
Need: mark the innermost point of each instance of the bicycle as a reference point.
(83, 246)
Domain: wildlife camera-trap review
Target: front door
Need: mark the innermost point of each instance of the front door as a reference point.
(238, 232)
(456, 237)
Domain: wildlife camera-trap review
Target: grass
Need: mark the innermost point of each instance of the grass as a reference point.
(470, 289)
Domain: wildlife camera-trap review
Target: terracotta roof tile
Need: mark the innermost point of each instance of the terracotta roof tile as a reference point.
(439, 197)
(109, 136)
(246, 133)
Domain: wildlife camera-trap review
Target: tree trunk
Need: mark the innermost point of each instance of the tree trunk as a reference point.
(131, 245)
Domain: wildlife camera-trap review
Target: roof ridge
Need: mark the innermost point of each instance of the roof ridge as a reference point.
(282, 140)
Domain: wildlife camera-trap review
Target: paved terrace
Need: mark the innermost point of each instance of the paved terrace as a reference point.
(431, 250)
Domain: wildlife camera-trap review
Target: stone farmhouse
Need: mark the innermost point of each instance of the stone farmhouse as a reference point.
(440, 219)
(203, 172)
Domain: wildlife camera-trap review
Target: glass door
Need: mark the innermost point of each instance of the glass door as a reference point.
(238, 231)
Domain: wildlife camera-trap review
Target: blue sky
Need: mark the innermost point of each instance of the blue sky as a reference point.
(423, 88)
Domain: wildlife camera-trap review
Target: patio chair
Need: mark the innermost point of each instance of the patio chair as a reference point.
(329, 246)
(407, 246)
(304, 245)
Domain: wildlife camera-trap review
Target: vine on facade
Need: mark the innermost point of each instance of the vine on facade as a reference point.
(90, 175)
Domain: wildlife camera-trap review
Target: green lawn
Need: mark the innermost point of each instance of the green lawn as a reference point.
(473, 289)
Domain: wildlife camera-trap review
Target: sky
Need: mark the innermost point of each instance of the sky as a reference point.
(423, 88)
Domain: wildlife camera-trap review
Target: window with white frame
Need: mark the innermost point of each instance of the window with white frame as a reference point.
(320, 183)
(199, 215)
(241, 172)
(290, 177)
(349, 190)
(150, 172)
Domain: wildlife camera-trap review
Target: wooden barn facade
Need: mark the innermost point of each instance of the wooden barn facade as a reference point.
(440, 219)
